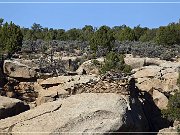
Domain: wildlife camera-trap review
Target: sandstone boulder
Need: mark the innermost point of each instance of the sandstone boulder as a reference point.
(20, 90)
(134, 62)
(89, 67)
(148, 71)
(18, 70)
(51, 94)
(10, 107)
(82, 113)
(157, 77)
(160, 99)
(137, 62)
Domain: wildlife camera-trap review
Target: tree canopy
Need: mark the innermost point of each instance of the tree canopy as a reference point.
(10, 37)
(102, 37)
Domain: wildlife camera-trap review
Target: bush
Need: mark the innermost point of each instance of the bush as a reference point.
(115, 62)
(173, 111)
(127, 68)
(178, 129)
(95, 62)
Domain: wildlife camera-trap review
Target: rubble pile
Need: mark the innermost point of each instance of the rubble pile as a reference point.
(111, 82)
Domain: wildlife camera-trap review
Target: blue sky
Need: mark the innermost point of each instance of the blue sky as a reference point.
(68, 16)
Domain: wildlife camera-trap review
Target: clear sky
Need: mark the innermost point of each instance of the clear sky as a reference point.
(68, 16)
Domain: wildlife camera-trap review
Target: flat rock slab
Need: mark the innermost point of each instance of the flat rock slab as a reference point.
(83, 113)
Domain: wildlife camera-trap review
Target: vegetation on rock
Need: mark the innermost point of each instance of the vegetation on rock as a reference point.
(173, 111)
(115, 62)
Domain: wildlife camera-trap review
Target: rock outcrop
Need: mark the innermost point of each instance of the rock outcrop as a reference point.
(20, 90)
(16, 69)
(171, 130)
(59, 87)
(137, 62)
(134, 62)
(159, 81)
(90, 67)
(11, 107)
(160, 99)
(139, 101)
(82, 113)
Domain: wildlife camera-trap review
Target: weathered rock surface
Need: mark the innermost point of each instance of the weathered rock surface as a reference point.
(65, 79)
(157, 77)
(109, 83)
(90, 112)
(18, 70)
(88, 67)
(20, 90)
(160, 99)
(158, 80)
(137, 100)
(49, 95)
(171, 130)
(137, 62)
(134, 62)
(10, 107)
(60, 87)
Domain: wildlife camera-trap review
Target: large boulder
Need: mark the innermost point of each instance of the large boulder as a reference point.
(82, 113)
(16, 69)
(158, 81)
(50, 94)
(160, 99)
(90, 67)
(10, 107)
(148, 71)
(157, 77)
(134, 62)
(137, 62)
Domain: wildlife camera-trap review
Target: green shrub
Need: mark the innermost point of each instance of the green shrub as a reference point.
(95, 62)
(178, 129)
(115, 62)
(173, 110)
(127, 69)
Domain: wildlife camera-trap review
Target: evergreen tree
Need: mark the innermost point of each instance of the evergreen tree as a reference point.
(88, 32)
(10, 38)
(102, 37)
(74, 34)
(139, 31)
(168, 35)
(149, 35)
(127, 34)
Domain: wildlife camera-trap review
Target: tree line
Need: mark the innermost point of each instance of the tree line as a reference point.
(105, 36)
(11, 35)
